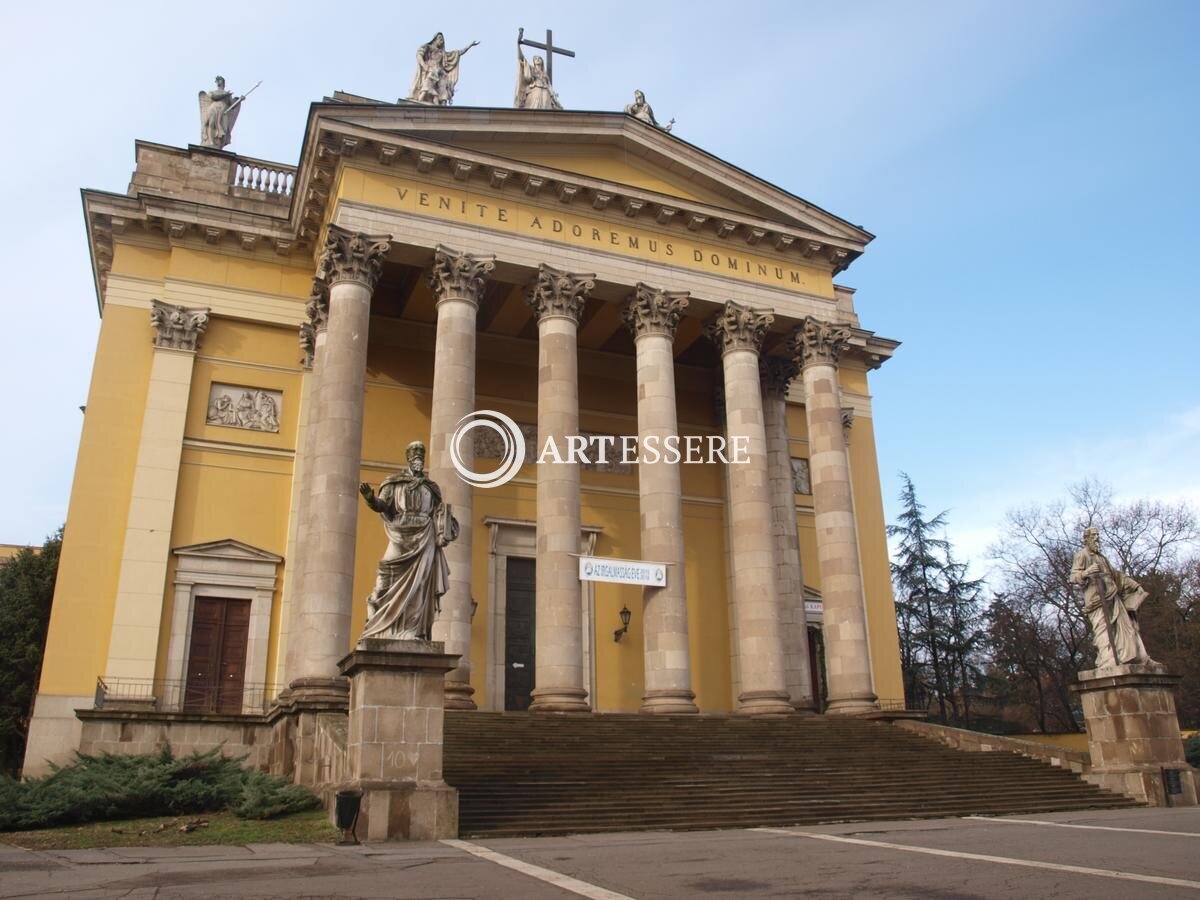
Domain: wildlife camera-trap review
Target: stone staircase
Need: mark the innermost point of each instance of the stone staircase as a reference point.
(525, 774)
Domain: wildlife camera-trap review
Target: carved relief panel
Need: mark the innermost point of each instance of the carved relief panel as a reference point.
(237, 406)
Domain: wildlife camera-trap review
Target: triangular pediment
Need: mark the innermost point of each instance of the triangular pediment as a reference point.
(227, 549)
(609, 148)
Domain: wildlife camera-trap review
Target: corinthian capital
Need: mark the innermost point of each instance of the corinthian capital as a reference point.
(350, 256)
(777, 373)
(654, 311)
(177, 327)
(458, 276)
(558, 293)
(817, 342)
(739, 327)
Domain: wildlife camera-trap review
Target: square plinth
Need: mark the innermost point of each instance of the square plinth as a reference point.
(394, 739)
(1133, 734)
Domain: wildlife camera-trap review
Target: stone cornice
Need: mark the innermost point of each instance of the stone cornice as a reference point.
(559, 293)
(390, 152)
(459, 276)
(652, 310)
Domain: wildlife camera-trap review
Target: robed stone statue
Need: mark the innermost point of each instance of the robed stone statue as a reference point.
(437, 72)
(641, 110)
(413, 573)
(1110, 601)
(534, 90)
(218, 112)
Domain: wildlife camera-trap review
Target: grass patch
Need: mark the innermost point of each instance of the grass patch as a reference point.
(310, 827)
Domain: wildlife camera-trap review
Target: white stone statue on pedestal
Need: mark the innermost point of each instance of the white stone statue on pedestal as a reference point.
(1110, 601)
(413, 573)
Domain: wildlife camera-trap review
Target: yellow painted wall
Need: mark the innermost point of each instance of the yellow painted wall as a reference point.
(84, 596)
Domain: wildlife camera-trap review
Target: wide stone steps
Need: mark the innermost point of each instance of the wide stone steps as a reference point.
(551, 774)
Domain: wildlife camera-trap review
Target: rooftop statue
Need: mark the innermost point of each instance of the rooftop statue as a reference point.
(534, 90)
(437, 72)
(640, 109)
(1110, 601)
(413, 573)
(218, 112)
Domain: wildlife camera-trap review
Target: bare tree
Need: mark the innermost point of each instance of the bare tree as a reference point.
(1154, 542)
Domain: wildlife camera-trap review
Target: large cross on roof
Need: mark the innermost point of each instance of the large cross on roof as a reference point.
(550, 51)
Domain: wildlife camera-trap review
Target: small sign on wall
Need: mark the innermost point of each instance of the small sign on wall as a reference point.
(622, 571)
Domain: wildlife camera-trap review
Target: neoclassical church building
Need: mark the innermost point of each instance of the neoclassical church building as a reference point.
(273, 335)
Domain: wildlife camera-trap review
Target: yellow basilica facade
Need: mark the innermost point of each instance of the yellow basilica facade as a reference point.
(271, 336)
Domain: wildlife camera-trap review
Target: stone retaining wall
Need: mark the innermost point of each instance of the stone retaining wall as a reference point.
(978, 742)
(134, 733)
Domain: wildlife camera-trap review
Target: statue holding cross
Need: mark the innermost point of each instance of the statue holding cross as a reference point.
(535, 78)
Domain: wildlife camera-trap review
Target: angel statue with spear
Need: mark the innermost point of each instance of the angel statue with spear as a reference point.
(219, 109)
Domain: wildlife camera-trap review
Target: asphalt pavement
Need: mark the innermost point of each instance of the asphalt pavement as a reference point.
(1122, 854)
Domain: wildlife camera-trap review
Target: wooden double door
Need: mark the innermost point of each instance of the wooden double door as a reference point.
(216, 673)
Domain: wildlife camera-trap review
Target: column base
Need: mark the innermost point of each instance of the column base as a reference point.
(669, 702)
(459, 694)
(764, 703)
(397, 811)
(559, 700)
(852, 706)
(320, 691)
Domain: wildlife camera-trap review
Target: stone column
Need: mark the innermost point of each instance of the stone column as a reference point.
(817, 346)
(777, 373)
(739, 331)
(312, 341)
(652, 315)
(558, 299)
(456, 281)
(133, 645)
(351, 263)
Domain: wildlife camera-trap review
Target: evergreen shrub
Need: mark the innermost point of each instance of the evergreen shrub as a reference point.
(112, 786)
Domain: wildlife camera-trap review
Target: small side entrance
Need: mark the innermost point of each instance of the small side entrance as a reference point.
(216, 672)
(518, 633)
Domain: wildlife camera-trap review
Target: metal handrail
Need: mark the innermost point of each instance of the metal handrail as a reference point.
(168, 695)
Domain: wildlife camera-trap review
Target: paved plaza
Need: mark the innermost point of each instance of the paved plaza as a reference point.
(1121, 854)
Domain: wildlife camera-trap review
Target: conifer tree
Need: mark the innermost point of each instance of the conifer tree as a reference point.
(939, 611)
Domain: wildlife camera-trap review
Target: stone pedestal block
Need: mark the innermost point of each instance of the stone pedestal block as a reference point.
(394, 743)
(1133, 733)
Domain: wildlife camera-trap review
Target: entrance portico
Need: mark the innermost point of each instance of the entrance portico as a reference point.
(577, 299)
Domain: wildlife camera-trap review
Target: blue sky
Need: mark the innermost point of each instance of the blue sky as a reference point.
(1030, 170)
